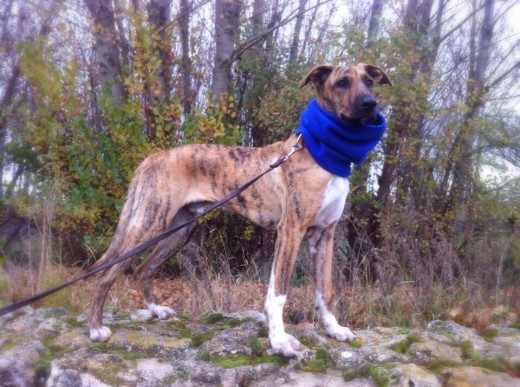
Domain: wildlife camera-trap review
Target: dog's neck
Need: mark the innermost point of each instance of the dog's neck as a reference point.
(335, 144)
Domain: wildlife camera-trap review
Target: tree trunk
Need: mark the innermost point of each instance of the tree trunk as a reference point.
(293, 54)
(257, 19)
(9, 92)
(462, 161)
(159, 15)
(106, 51)
(227, 14)
(125, 44)
(408, 122)
(269, 40)
(186, 66)
(9, 41)
(158, 85)
(374, 23)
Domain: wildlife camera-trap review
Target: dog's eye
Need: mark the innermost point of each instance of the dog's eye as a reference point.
(369, 82)
(342, 83)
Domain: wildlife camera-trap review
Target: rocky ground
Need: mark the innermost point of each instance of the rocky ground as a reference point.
(50, 347)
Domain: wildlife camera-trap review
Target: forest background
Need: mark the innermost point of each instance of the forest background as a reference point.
(89, 88)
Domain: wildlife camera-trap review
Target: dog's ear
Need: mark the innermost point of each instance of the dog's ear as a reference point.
(377, 75)
(318, 75)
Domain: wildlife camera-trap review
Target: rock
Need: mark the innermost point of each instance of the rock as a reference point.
(406, 375)
(141, 315)
(499, 342)
(37, 323)
(505, 344)
(453, 331)
(17, 364)
(69, 377)
(431, 351)
(11, 317)
(291, 378)
(374, 348)
(85, 367)
(152, 343)
(474, 376)
(236, 340)
(74, 339)
(109, 316)
(151, 372)
(48, 347)
(247, 315)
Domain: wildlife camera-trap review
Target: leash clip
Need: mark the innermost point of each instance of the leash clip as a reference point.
(283, 158)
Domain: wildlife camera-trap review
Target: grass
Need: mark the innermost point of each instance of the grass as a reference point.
(198, 339)
(356, 342)
(358, 306)
(236, 360)
(258, 356)
(49, 353)
(468, 352)
(368, 370)
(319, 363)
(403, 345)
(125, 354)
(489, 334)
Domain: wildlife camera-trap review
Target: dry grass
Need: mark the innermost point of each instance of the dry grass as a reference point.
(358, 306)
(420, 277)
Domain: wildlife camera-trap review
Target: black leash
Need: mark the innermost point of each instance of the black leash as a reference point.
(143, 246)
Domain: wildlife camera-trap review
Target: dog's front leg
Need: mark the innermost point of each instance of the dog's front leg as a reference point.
(321, 244)
(286, 250)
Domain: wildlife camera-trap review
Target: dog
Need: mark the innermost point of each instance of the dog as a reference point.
(300, 198)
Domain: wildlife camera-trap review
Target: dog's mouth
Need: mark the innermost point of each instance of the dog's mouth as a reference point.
(359, 119)
(363, 111)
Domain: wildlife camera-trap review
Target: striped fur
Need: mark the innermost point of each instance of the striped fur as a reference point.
(297, 198)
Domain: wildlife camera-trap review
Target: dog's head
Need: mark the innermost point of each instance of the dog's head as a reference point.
(347, 90)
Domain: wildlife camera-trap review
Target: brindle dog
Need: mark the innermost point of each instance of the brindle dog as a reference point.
(299, 198)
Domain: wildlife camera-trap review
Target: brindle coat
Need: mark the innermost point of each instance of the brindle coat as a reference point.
(297, 198)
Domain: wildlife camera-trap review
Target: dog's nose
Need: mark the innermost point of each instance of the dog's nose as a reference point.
(367, 103)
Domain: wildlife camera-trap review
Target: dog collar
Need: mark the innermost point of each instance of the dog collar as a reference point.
(335, 144)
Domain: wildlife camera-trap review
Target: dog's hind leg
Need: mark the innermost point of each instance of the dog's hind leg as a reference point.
(98, 332)
(145, 273)
(165, 249)
(106, 280)
(321, 242)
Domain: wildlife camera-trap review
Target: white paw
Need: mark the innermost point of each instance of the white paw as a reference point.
(162, 312)
(340, 333)
(286, 345)
(100, 334)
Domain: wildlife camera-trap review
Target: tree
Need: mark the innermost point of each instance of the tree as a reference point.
(227, 14)
(106, 52)
(82, 107)
(461, 159)
(293, 54)
(184, 30)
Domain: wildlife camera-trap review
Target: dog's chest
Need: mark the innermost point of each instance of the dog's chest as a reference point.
(332, 202)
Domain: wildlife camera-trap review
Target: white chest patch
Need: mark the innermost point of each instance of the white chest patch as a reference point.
(333, 201)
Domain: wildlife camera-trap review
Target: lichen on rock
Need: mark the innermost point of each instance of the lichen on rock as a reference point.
(48, 347)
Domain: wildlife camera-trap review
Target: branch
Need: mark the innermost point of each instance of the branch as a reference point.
(179, 16)
(504, 75)
(503, 185)
(256, 39)
(462, 22)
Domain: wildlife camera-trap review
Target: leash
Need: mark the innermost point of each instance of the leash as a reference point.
(143, 246)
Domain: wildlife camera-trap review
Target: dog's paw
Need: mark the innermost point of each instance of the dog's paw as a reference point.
(100, 334)
(161, 312)
(286, 345)
(340, 333)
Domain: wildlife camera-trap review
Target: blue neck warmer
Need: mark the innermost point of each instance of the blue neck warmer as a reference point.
(334, 144)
